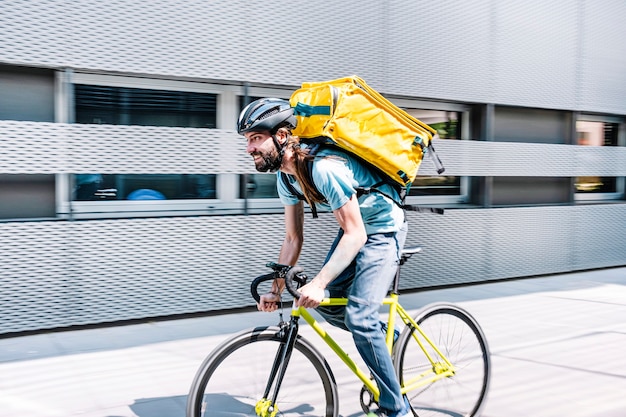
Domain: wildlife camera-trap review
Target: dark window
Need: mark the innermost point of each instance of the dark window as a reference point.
(258, 186)
(137, 106)
(96, 187)
(146, 107)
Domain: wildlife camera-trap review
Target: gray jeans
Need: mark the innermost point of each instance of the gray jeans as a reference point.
(365, 283)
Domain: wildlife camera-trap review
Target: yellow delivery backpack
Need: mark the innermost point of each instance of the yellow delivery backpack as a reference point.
(353, 116)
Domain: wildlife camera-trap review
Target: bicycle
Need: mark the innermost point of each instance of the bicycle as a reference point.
(441, 358)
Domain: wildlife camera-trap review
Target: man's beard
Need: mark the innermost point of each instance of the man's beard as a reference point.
(270, 161)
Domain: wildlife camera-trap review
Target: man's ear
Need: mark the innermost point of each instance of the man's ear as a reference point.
(282, 135)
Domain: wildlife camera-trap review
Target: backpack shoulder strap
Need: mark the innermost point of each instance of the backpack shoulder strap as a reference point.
(402, 191)
(285, 179)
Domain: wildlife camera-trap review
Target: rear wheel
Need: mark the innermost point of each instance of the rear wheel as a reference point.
(232, 379)
(458, 336)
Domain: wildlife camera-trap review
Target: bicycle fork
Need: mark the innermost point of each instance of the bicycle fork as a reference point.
(266, 406)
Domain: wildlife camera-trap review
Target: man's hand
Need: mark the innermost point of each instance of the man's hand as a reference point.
(269, 302)
(311, 295)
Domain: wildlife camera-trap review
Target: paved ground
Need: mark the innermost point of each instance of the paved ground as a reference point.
(558, 347)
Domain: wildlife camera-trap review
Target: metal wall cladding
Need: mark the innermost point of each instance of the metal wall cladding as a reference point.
(559, 54)
(601, 72)
(514, 242)
(38, 148)
(58, 274)
(63, 273)
(30, 147)
(272, 42)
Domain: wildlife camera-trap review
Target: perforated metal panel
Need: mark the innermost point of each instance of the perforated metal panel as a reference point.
(57, 274)
(28, 147)
(557, 54)
(523, 242)
(481, 245)
(440, 49)
(65, 148)
(536, 53)
(210, 40)
(34, 279)
(446, 240)
(602, 86)
(599, 236)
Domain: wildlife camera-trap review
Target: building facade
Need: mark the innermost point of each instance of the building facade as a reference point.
(126, 193)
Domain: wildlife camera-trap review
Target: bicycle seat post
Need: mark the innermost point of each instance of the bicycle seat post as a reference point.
(396, 280)
(405, 254)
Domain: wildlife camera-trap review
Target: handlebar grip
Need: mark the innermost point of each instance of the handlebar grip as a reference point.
(295, 274)
(255, 283)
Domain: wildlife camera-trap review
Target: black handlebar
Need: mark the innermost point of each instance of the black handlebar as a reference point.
(255, 283)
(288, 273)
(295, 274)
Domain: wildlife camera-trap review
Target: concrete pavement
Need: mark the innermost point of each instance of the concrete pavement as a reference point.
(558, 348)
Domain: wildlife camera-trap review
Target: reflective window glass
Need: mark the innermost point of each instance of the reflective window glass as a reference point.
(95, 104)
(596, 134)
(138, 106)
(257, 185)
(97, 187)
(448, 126)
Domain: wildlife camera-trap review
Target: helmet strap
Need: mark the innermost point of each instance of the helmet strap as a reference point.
(281, 152)
(280, 147)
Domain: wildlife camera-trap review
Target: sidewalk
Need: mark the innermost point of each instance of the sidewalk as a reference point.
(557, 347)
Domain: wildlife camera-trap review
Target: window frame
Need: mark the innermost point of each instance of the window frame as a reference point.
(260, 205)
(265, 205)
(227, 199)
(224, 203)
(464, 195)
(620, 182)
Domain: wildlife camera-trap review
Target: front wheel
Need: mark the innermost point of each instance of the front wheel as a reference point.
(460, 390)
(232, 379)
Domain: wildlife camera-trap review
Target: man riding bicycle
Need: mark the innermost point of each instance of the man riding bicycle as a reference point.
(363, 258)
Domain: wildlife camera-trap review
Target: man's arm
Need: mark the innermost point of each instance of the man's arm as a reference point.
(289, 253)
(294, 235)
(354, 237)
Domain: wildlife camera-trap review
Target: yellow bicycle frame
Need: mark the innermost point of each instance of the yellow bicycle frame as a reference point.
(440, 369)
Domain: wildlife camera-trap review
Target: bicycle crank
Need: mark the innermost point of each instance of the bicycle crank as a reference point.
(265, 408)
(367, 399)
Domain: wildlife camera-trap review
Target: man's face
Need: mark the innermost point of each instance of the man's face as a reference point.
(261, 147)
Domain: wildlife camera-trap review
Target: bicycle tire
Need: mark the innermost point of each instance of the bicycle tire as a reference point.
(459, 337)
(232, 378)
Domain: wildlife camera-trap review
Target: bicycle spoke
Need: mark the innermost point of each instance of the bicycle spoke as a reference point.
(458, 338)
(235, 379)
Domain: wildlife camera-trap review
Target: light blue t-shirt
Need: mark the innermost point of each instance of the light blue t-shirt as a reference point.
(336, 174)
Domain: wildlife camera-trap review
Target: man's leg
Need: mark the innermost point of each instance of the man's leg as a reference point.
(339, 287)
(376, 266)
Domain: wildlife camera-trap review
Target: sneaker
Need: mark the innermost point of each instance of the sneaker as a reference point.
(381, 412)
